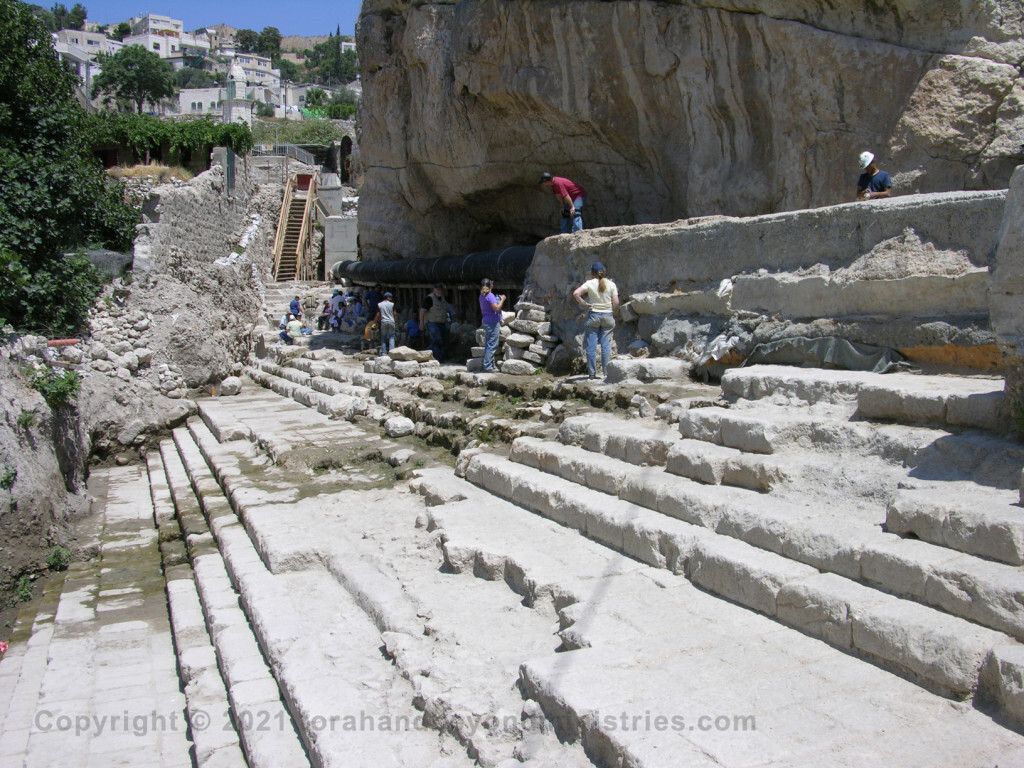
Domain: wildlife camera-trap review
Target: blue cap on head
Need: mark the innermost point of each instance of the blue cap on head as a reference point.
(597, 267)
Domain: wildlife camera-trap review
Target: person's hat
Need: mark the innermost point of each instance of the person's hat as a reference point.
(296, 298)
(865, 160)
(291, 317)
(439, 285)
(387, 295)
(336, 292)
(486, 282)
(596, 267)
(544, 177)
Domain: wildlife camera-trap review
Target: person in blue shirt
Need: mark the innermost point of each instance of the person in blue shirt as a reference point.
(873, 183)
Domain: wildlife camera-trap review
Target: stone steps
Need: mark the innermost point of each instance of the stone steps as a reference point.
(323, 650)
(948, 401)
(644, 644)
(251, 687)
(834, 540)
(290, 550)
(947, 655)
(100, 651)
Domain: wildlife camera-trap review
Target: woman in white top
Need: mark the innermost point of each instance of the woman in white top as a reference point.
(602, 297)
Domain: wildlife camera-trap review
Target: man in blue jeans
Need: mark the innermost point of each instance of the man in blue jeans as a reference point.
(434, 320)
(570, 197)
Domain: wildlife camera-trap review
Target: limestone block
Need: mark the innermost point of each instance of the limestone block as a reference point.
(514, 353)
(539, 349)
(981, 410)
(626, 313)
(480, 335)
(97, 351)
(406, 368)
(518, 368)
(475, 364)
(1002, 681)
(130, 361)
(821, 606)
(398, 426)
(946, 651)
(648, 369)
(145, 355)
(232, 385)
(703, 302)
(121, 348)
(519, 340)
(533, 357)
(543, 329)
(504, 332)
(404, 354)
(884, 402)
(526, 306)
(383, 365)
(525, 326)
(744, 574)
(124, 374)
(477, 351)
(549, 339)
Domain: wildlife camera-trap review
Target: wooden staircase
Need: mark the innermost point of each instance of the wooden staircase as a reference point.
(292, 257)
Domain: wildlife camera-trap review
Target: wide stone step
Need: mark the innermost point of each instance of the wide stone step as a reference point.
(252, 688)
(649, 646)
(941, 650)
(634, 442)
(719, 465)
(767, 431)
(946, 400)
(855, 548)
(985, 523)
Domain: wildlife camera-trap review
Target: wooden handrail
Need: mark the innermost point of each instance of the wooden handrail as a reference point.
(304, 266)
(282, 225)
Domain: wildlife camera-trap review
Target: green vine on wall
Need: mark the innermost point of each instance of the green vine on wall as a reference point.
(145, 132)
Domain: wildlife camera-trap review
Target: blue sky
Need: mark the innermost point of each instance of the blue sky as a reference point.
(292, 17)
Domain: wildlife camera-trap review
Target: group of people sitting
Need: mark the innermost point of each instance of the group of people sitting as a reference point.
(343, 312)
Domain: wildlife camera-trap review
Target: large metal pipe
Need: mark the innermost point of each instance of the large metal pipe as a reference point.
(506, 267)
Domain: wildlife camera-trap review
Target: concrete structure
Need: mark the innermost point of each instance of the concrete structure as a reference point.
(341, 235)
(258, 70)
(166, 36)
(92, 43)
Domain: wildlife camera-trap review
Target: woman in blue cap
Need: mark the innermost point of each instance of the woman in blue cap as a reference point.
(602, 297)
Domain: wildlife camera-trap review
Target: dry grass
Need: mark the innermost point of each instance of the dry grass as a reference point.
(155, 171)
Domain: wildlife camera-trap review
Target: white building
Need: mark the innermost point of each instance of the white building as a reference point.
(166, 37)
(258, 70)
(90, 42)
(199, 101)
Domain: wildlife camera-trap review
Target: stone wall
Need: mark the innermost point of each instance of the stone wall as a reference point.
(1007, 296)
(908, 273)
(669, 110)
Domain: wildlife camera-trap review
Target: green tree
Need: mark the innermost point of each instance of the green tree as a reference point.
(54, 197)
(122, 30)
(269, 42)
(289, 70)
(134, 75)
(247, 40)
(190, 77)
(76, 16)
(316, 97)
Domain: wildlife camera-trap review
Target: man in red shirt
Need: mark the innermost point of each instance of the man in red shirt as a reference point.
(570, 197)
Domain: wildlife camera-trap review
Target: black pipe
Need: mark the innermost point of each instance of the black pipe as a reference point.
(506, 267)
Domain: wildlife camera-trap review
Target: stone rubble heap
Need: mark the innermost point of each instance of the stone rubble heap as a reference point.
(119, 347)
(525, 342)
(404, 362)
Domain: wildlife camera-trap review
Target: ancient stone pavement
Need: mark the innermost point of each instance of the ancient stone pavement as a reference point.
(817, 568)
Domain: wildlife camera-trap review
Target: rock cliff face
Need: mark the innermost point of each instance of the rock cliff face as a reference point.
(666, 110)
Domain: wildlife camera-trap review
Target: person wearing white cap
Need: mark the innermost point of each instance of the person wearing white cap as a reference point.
(872, 183)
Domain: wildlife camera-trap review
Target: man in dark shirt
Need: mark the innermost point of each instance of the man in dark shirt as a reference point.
(434, 320)
(372, 299)
(570, 197)
(872, 183)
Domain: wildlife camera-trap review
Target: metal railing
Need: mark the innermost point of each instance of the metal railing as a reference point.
(284, 150)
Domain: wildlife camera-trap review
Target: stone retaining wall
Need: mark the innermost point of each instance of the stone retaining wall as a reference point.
(1006, 297)
(909, 273)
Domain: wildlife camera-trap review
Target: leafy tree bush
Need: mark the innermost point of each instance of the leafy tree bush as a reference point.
(190, 77)
(316, 97)
(134, 76)
(145, 133)
(264, 110)
(310, 131)
(269, 42)
(247, 40)
(121, 31)
(54, 197)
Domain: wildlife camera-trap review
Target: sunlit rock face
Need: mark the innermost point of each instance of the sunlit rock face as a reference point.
(668, 110)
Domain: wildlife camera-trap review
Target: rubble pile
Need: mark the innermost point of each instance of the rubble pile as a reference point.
(525, 342)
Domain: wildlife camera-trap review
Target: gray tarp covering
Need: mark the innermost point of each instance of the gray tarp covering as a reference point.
(827, 351)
